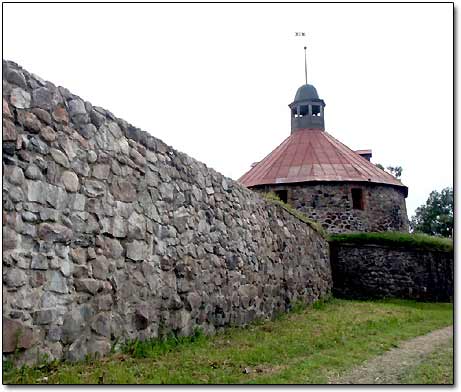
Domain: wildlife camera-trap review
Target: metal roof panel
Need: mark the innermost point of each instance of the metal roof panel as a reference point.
(314, 155)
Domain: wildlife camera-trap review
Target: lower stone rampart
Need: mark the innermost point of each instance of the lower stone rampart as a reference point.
(379, 271)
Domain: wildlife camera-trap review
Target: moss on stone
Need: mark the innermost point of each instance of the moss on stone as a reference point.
(273, 198)
(396, 239)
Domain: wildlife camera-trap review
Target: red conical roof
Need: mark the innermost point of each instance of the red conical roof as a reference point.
(315, 155)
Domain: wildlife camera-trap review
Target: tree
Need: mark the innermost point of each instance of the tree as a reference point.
(396, 171)
(436, 216)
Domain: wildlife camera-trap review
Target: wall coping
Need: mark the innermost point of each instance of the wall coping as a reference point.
(387, 246)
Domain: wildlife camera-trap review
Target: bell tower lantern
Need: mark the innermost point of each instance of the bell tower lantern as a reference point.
(307, 110)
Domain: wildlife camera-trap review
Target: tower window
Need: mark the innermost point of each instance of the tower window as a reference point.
(304, 110)
(315, 201)
(283, 195)
(357, 199)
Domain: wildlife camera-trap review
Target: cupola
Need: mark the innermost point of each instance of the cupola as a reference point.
(307, 109)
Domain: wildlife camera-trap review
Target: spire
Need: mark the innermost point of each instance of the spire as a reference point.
(305, 62)
(307, 108)
(303, 34)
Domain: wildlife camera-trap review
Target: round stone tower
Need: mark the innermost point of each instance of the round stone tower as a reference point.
(326, 180)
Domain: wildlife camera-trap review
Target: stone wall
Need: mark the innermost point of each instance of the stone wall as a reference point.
(379, 271)
(331, 205)
(108, 233)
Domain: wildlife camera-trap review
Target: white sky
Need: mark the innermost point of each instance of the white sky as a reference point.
(214, 81)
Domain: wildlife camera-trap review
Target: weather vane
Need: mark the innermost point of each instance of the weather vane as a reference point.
(302, 34)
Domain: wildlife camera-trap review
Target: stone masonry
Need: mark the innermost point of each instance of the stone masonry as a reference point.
(109, 234)
(379, 271)
(331, 205)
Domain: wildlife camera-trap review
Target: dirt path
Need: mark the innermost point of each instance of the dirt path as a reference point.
(386, 368)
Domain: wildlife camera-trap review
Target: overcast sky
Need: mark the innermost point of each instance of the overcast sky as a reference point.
(214, 81)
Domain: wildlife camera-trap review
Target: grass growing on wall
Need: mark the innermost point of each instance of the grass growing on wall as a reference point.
(306, 346)
(396, 239)
(273, 198)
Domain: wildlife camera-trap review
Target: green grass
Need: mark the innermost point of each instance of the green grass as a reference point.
(305, 346)
(154, 347)
(397, 239)
(273, 198)
(437, 368)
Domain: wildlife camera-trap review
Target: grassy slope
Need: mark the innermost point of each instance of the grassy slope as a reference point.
(306, 346)
(437, 368)
(398, 239)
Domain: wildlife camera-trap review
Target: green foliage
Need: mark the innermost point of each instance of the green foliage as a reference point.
(322, 303)
(157, 346)
(297, 307)
(273, 198)
(396, 239)
(7, 365)
(306, 346)
(396, 171)
(436, 216)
